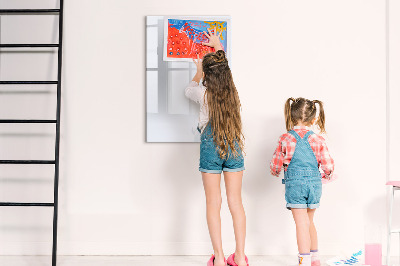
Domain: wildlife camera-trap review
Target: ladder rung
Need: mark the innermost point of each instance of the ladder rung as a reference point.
(26, 121)
(33, 45)
(38, 204)
(29, 82)
(27, 161)
(395, 231)
(28, 11)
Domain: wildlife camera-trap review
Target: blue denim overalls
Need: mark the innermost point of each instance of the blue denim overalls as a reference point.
(211, 162)
(302, 181)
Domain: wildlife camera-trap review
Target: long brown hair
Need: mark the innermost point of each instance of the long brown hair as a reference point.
(303, 110)
(223, 104)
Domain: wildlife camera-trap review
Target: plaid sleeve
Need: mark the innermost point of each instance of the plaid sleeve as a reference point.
(278, 157)
(326, 162)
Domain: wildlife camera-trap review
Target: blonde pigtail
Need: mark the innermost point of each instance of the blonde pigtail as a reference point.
(288, 114)
(321, 116)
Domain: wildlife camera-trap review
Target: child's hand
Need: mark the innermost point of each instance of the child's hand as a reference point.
(213, 39)
(199, 66)
(326, 180)
(273, 173)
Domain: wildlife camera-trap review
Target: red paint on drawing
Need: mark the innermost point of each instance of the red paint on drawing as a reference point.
(181, 46)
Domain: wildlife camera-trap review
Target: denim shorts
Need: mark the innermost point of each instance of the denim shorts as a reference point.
(211, 161)
(303, 193)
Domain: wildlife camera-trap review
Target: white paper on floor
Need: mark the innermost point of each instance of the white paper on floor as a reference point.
(350, 258)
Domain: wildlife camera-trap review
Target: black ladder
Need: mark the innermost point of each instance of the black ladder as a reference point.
(57, 82)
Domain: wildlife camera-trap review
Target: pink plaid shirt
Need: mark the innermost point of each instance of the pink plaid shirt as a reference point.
(287, 144)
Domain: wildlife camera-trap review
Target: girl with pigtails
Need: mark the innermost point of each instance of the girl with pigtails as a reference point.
(302, 154)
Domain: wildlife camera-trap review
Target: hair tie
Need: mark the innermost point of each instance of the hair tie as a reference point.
(218, 64)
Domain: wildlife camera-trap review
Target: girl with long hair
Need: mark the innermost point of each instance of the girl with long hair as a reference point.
(221, 147)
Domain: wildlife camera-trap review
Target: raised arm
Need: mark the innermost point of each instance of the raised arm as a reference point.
(199, 72)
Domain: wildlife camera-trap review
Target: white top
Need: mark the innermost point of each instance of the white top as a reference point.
(196, 92)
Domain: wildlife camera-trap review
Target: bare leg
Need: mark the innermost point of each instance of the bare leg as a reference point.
(233, 183)
(302, 221)
(212, 188)
(313, 230)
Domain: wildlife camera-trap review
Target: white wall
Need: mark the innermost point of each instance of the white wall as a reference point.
(121, 195)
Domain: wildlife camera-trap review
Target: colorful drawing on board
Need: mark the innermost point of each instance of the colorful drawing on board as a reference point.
(185, 37)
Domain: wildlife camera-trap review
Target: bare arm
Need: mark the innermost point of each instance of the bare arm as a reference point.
(199, 73)
(213, 39)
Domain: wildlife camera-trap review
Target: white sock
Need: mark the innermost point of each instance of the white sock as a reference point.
(314, 255)
(305, 260)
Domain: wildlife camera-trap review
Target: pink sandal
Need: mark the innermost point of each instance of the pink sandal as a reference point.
(211, 261)
(231, 260)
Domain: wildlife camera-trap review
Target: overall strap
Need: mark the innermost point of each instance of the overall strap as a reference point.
(294, 133)
(303, 164)
(297, 136)
(309, 133)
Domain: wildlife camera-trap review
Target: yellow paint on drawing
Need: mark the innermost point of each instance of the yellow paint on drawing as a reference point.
(219, 26)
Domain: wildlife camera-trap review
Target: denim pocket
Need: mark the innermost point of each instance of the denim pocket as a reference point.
(317, 190)
(205, 146)
(293, 190)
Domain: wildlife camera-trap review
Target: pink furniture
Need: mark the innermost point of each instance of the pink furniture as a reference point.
(373, 254)
(394, 185)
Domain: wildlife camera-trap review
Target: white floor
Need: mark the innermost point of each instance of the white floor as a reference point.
(143, 260)
(135, 260)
